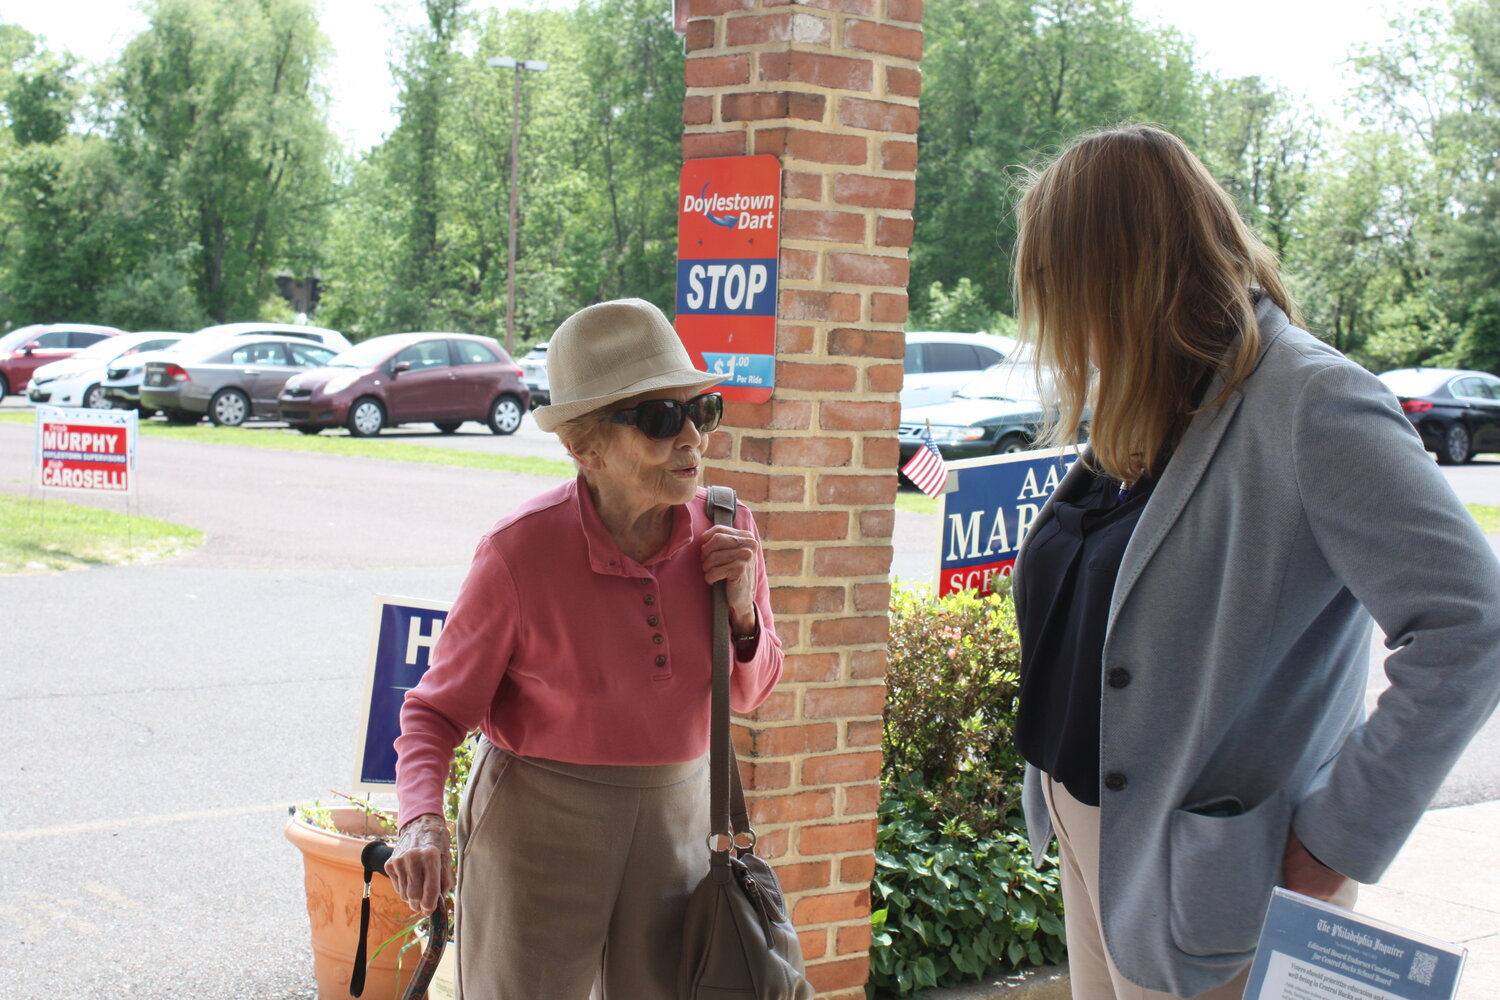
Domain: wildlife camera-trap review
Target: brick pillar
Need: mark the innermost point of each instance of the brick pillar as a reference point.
(829, 86)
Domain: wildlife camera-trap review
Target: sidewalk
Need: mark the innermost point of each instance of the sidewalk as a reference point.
(1445, 883)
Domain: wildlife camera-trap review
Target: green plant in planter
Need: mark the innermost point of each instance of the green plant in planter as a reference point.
(955, 894)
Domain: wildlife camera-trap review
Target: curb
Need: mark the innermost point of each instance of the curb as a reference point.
(1047, 982)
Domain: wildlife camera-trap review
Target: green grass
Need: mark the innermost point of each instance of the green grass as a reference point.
(1488, 518)
(916, 503)
(329, 444)
(42, 536)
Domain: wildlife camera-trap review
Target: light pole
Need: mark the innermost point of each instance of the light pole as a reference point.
(515, 151)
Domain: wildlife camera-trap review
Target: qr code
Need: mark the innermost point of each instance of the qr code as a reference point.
(1422, 966)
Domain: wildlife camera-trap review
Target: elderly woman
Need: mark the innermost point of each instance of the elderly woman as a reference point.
(1195, 598)
(579, 646)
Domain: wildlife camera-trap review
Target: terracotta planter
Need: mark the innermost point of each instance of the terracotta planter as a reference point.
(334, 881)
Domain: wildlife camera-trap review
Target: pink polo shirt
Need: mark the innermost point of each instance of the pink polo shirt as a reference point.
(562, 647)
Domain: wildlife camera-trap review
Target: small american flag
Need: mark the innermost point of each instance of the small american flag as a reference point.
(926, 469)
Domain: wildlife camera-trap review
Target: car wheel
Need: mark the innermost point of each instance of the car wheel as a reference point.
(450, 427)
(505, 415)
(306, 428)
(1011, 444)
(228, 408)
(182, 417)
(95, 399)
(4, 387)
(366, 417)
(1457, 444)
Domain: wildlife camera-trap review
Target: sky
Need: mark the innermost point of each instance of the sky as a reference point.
(1298, 44)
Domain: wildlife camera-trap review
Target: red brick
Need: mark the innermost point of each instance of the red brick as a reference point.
(700, 34)
(717, 71)
(826, 307)
(751, 487)
(854, 939)
(887, 39)
(807, 107)
(788, 741)
(697, 110)
(902, 81)
(817, 377)
(864, 7)
(738, 413)
(867, 663)
(766, 775)
(887, 307)
(773, 844)
(783, 562)
(785, 26)
(881, 453)
(872, 596)
(862, 800)
(700, 144)
(828, 976)
(797, 265)
(852, 342)
(904, 10)
(752, 107)
(814, 147)
(856, 489)
(790, 414)
(807, 525)
(713, 8)
(719, 445)
(806, 600)
(836, 838)
(874, 192)
(838, 768)
(833, 72)
(897, 154)
(884, 378)
(868, 269)
(819, 453)
(795, 808)
(852, 560)
(755, 449)
(781, 706)
(843, 415)
(836, 227)
(803, 667)
(808, 187)
(857, 869)
(863, 733)
(832, 907)
(804, 876)
(879, 116)
(850, 631)
(814, 942)
(893, 232)
(793, 339)
(788, 489)
(846, 702)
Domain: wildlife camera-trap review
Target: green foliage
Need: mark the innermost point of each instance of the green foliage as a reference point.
(964, 308)
(955, 894)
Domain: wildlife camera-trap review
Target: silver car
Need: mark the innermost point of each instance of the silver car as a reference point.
(230, 380)
(534, 374)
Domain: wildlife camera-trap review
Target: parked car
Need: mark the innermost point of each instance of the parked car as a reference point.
(25, 350)
(939, 364)
(1456, 411)
(123, 376)
(317, 334)
(534, 374)
(230, 381)
(409, 378)
(998, 413)
(79, 380)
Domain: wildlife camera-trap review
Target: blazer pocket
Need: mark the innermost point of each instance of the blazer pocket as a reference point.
(1222, 871)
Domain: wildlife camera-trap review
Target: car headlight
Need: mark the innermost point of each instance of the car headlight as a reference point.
(952, 435)
(339, 383)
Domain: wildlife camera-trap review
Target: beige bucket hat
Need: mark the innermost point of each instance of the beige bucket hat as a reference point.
(612, 351)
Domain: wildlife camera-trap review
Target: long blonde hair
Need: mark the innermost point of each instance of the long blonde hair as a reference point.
(1131, 257)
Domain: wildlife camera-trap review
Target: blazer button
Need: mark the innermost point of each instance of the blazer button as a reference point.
(1114, 781)
(658, 639)
(1117, 677)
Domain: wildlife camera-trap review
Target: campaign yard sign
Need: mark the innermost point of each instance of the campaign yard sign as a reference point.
(989, 510)
(406, 631)
(86, 451)
(728, 242)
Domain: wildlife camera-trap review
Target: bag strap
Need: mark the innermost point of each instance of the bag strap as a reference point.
(726, 795)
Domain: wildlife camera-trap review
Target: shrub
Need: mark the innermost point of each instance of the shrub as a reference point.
(955, 893)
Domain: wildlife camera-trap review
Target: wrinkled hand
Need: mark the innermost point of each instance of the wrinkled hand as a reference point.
(419, 867)
(733, 556)
(1301, 872)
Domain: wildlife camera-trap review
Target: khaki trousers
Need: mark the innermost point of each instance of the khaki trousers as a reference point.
(573, 879)
(1090, 969)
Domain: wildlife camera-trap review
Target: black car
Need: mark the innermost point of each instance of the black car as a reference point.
(1457, 412)
(996, 414)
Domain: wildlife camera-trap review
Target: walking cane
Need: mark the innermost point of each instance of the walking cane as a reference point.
(374, 857)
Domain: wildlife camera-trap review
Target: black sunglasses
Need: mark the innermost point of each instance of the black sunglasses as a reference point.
(662, 418)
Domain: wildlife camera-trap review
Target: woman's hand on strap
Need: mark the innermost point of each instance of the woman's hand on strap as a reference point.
(733, 555)
(419, 867)
(1301, 872)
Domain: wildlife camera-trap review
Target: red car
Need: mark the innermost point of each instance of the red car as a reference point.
(25, 350)
(409, 378)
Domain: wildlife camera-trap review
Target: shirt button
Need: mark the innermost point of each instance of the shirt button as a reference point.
(1117, 677)
(650, 598)
(658, 639)
(1114, 781)
(661, 661)
(651, 620)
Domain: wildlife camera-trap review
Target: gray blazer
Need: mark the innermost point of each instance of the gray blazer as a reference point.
(1284, 520)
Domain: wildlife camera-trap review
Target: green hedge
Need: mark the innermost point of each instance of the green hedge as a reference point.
(955, 895)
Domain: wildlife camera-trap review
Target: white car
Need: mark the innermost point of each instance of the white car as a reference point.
(79, 380)
(318, 335)
(938, 364)
(534, 374)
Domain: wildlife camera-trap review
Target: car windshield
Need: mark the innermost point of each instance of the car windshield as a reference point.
(365, 355)
(112, 347)
(1416, 381)
(1006, 380)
